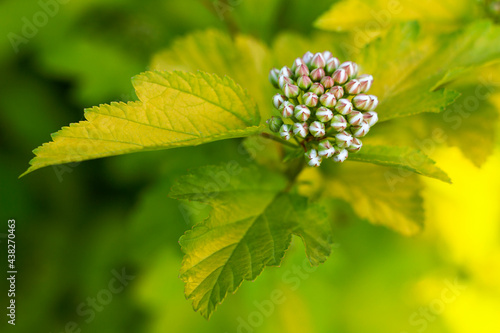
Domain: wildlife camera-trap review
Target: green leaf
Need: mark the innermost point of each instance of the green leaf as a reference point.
(175, 109)
(250, 227)
(379, 15)
(383, 196)
(404, 158)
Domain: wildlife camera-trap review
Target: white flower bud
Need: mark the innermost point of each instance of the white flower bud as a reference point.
(304, 82)
(328, 100)
(287, 109)
(360, 130)
(283, 80)
(324, 114)
(327, 55)
(274, 75)
(361, 102)
(371, 117)
(302, 112)
(351, 68)
(343, 106)
(278, 99)
(355, 145)
(310, 99)
(338, 91)
(353, 87)
(373, 103)
(317, 88)
(343, 139)
(297, 63)
(302, 70)
(340, 76)
(318, 61)
(317, 74)
(291, 90)
(326, 149)
(366, 82)
(286, 132)
(341, 156)
(327, 82)
(355, 118)
(339, 124)
(285, 71)
(317, 129)
(331, 65)
(312, 158)
(300, 129)
(307, 57)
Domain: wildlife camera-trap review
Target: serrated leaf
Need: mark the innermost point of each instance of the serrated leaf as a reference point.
(175, 109)
(404, 158)
(250, 227)
(383, 196)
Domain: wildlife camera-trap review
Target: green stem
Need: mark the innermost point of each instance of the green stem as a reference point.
(283, 142)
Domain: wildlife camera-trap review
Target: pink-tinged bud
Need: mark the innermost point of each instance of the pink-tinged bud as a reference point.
(318, 61)
(297, 63)
(317, 88)
(343, 106)
(327, 82)
(312, 158)
(355, 145)
(287, 109)
(285, 71)
(302, 113)
(307, 57)
(324, 114)
(339, 124)
(317, 129)
(283, 80)
(361, 102)
(301, 71)
(310, 99)
(351, 68)
(338, 91)
(373, 103)
(366, 82)
(353, 87)
(291, 90)
(326, 149)
(327, 55)
(275, 124)
(278, 99)
(340, 76)
(328, 100)
(286, 132)
(300, 129)
(343, 139)
(341, 156)
(331, 65)
(317, 74)
(274, 75)
(360, 130)
(371, 118)
(355, 118)
(304, 82)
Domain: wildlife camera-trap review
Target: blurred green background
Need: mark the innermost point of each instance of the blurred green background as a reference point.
(78, 225)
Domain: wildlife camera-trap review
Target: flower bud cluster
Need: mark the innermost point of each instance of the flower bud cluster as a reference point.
(324, 105)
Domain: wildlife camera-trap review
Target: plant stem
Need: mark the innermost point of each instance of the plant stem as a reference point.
(283, 142)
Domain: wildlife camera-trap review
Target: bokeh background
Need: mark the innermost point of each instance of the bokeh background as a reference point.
(77, 225)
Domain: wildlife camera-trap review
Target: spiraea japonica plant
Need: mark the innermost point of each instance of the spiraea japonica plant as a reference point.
(209, 86)
(327, 105)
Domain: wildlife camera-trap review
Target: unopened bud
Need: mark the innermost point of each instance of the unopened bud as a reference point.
(307, 57)
(343, 106)
(285, 71)
(343, 139)
(355, 145)
(353, 87)
(331, 65)
(328, 100)
(351, 69)
(373, 103)
(317, 129)
(312, 157)
(337, 91)
(327, 55)
(300, 129)
(355, 118)
(283, 80)
(361, 102)
(324, 114)
(297, 63)
(304, 82)
(341, 156)
(274, 75)
(278, 99)
(371, 117)
(286, 132)
(360, 130)
(302, 113)
(317, 74)
(287, 109)
(326, 149)
(318, 61)
(310, 99)
(327, 82)
(339, 124)
(340, 76)
(291, 90)
(301, 71)
(366, 82)
(275, 124)
(317, 88)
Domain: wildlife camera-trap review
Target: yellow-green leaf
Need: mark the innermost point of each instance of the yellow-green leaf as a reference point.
(175, 109)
